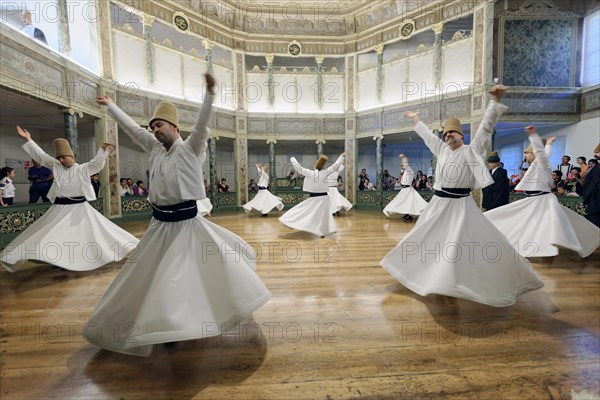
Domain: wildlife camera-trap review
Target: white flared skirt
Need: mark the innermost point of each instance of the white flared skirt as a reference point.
(204, 207)
(536, 225)
(454, 250)
(187, 280)
(407, 201)
(74, 237)
(312, 215)
(337, 201)
(263, 202)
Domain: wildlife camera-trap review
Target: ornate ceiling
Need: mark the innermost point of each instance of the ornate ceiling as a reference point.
(327, 27)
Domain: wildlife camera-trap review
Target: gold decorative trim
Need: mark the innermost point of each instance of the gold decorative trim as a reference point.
(407, 28)
(181, 21)
(294, 48)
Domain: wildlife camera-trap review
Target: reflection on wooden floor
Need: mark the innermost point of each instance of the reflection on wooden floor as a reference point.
(337, 327)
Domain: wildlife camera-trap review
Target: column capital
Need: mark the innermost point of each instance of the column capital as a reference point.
(72, 111)
(208, 44)
(147, 19)
(378, 136)
(271, 140)
(319, 59)
(269, 57)
(379, 48)
(438, 28)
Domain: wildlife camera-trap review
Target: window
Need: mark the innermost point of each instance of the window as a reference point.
(590, 71)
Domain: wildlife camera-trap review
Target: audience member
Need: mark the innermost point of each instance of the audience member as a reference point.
(581, 162)
(556, 178)
(223, 186)
(565, 166)
(31, 30)
(41, 179)
(95, 179)
(7, 189)
(139, 189)
(252, 186)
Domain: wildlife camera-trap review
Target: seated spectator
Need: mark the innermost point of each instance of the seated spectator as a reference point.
(367, 185)
(562, 189)
(556, 178)
(391, 183)
(385, 180)
(397, 184)
(429, 184)
(252, 187)
(223, 186)
(139, 189)
(125, 189)
(575, 181)
(130, 184)
(362, 176)
(581, 162)
(95, 179)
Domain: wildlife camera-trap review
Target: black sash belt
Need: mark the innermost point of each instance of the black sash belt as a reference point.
(317, 194)
(333, 186)
(69, 200)
(405, 186)
(176, 212)
(452, 193)
(262, 188)
(533, 193)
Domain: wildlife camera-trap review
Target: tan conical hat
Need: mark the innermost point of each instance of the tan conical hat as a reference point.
(597, 149)
(321, 162)
(62, 148)
(166, 111)
(529, 148)
(452, 124)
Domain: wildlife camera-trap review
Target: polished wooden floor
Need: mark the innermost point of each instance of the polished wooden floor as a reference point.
(337, 327)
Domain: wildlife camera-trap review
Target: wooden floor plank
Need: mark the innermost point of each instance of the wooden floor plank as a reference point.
(337, 327)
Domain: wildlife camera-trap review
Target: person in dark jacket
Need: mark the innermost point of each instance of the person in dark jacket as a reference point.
(591, 190)
(497, 194)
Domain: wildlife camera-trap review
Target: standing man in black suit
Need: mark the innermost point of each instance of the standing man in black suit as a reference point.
(497, 194)
(591, 191)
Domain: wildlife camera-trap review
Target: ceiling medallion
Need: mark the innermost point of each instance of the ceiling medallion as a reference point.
(294, 48)
(181, 21)
(407, 28)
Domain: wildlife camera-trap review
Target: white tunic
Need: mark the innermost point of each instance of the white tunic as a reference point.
(535, 226)
(448, 250)
(74, 236)
(539, 173)
(69, 182)
(189, 279)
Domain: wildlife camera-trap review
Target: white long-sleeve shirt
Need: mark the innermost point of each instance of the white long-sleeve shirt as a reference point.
(408, 176)
(315, 181)
(263, 177)
(332, 179)
(463, 167)
(175, 175)
(69, 182)
(539, 173)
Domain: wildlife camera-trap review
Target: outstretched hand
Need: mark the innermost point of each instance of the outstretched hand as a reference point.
(401, 156)
(531, 130)
(414, 115)
(104, 100)
(498, 91)
(24, 133)
(211, 83)
(106, 145)
(550, 140)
